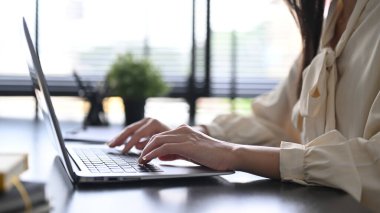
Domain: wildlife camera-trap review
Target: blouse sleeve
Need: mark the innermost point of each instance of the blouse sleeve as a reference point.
(352, 165)
(270, 122)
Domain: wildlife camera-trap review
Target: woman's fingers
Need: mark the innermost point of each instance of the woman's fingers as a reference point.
(177, 135)
(164, 150)
(144, 128)
(142, 143)
(149, 128)
(128, 131)
(144, 131)
(192, 145)
(170, 157)
(158, 140)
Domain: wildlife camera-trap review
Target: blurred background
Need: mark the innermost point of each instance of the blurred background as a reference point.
(216, 56)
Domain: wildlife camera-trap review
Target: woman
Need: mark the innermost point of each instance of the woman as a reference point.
(320, 126)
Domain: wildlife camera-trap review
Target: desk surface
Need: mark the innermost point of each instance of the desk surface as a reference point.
(240, 192)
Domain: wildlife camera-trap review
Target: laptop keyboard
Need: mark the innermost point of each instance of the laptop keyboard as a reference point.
(101, 161)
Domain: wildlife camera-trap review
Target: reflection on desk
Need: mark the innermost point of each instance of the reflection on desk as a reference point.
(240, 192)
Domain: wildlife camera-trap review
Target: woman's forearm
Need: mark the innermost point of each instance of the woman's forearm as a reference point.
(259, 160)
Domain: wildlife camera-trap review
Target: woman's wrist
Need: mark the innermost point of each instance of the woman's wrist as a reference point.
(262, 161)
(235, 157)
(201, 128)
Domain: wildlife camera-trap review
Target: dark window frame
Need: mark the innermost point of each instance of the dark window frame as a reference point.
(190, 88)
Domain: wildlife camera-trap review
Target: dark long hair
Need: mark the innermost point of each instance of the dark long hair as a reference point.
(309, 17)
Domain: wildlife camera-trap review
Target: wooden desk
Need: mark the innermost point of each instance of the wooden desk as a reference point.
(239, 192)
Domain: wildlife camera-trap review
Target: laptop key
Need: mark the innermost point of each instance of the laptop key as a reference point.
(129, 170)
(104, 171)
(123, 164)
(100, 161)
(117, 170)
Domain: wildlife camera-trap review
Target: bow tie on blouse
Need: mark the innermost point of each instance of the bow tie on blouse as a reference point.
(316, 106)
(314, 113)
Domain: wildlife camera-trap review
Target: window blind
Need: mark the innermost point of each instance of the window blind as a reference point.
(254, 43)
(87, 36)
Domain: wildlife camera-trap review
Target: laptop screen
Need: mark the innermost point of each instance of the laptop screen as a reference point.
(44, 101)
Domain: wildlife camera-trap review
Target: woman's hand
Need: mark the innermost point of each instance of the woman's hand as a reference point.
(186, 143)
(143, 129)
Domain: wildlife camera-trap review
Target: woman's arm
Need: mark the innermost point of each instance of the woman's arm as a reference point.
(190, 144)
(271, 119)
(259, 160)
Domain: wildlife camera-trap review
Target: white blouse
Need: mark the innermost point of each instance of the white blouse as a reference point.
(331, 135)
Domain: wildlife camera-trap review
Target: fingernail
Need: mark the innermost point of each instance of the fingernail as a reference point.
(142, 159)
(110, 143)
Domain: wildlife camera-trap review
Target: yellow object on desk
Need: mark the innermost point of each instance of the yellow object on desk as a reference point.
(11, 165)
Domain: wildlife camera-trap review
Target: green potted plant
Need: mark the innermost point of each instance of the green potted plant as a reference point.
(134, 80)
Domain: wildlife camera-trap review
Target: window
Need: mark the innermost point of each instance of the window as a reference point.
(12, 60)
(87, 35)
(254, 43)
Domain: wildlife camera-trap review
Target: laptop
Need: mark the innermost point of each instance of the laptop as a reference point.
(93, 163)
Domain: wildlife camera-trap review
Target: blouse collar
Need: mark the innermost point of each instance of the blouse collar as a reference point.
(314, 114)
(329, 28)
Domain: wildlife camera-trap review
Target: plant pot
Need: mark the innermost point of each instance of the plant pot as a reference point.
(134, 110)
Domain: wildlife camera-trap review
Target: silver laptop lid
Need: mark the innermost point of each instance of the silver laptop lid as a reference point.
(44, 102)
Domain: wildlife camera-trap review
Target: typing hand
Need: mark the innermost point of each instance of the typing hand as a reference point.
(187, 143)
(144, 128)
